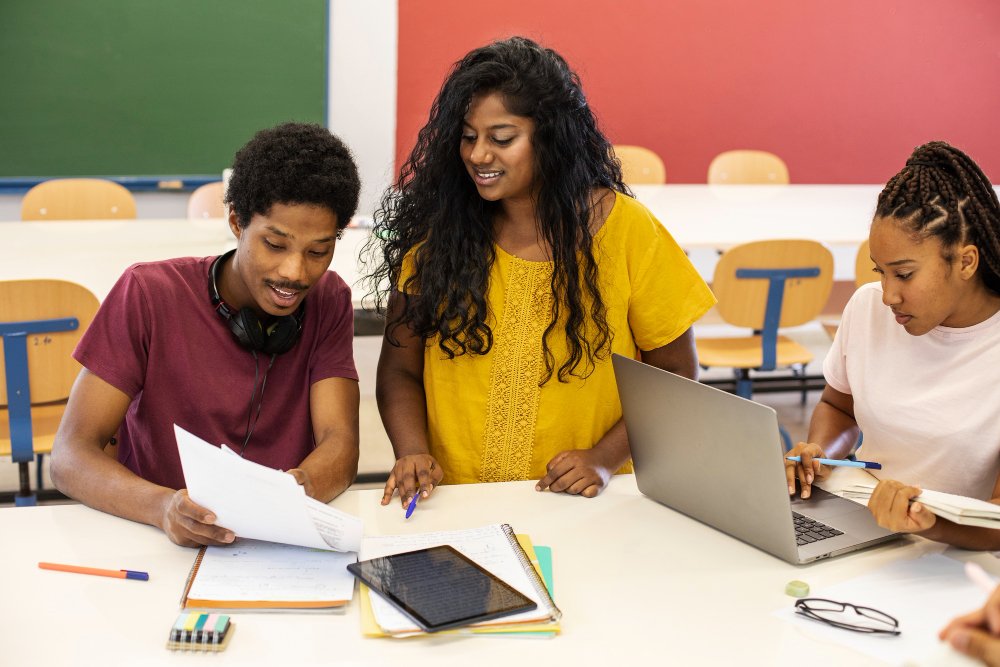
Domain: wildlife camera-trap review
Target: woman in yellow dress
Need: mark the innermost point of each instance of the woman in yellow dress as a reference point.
(512, 262)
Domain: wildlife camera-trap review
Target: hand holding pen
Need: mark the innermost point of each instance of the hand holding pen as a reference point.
(805, 467)
(412, 475)
(806, 462)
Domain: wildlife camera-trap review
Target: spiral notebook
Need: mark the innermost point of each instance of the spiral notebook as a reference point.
(494, 547)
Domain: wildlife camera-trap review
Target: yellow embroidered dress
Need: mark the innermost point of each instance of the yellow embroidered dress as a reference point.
(489, 421)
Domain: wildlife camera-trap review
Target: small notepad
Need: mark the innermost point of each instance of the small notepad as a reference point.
(196, 631)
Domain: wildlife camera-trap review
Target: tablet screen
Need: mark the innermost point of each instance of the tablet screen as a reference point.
(439, 588)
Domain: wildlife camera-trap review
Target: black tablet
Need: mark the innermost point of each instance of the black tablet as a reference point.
(439, 588)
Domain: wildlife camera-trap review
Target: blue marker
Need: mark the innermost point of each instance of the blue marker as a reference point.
(844, 463)
(413, 504)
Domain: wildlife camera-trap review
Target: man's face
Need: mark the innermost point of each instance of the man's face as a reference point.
(279, 256)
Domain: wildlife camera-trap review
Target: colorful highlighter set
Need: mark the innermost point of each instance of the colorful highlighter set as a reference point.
(196, 631)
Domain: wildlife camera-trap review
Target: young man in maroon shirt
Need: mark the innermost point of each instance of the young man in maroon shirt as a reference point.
(252, 349)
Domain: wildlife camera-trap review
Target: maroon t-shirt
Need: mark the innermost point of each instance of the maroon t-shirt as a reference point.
(157, 338)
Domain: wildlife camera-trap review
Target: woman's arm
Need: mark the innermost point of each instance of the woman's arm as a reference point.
(587, 471)
(402, 403)
(892, 504)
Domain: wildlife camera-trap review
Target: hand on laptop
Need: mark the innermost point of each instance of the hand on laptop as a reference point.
(807, 471)
(892, 508)
(977, 634)
(414, 473)
(189, 524)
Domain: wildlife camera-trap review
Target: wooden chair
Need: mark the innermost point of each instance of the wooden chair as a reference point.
(640, 165)
(764, 286)
(747, 167)
(864, 266)
(78, 199)
(863, 273)
(41, 321)
(206, 202)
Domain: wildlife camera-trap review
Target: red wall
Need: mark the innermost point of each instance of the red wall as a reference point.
(841, 90)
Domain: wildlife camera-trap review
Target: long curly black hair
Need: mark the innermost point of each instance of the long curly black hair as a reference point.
(435, 213)
(294, 163)
(941, 192)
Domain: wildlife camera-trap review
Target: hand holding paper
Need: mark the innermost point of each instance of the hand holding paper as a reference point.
(958, 509)
(257, 502)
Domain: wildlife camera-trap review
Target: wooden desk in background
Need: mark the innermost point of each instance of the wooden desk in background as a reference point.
(639, 584)
(94, 253)
(702, 218)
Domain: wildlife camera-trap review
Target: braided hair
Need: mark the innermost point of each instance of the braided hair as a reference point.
(433, 215)
(941, 192)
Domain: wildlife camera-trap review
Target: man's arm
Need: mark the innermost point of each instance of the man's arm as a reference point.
(333, 465)
(82, 470)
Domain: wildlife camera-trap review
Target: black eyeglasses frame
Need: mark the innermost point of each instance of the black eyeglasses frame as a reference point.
(802, 607)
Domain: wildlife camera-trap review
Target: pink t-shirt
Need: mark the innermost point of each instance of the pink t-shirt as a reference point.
(157, 338)
(927, 405)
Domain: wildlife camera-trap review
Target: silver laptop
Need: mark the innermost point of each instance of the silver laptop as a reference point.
(689, 441)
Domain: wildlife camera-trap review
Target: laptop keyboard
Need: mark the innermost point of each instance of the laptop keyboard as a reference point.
(809, 530)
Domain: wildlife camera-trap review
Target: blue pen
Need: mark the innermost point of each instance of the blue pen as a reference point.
(413, 505)
(845, 463)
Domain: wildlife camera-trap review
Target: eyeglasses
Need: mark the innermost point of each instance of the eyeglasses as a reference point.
(847, 616)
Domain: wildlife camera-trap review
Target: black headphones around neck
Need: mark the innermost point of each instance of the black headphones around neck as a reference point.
(277, 338)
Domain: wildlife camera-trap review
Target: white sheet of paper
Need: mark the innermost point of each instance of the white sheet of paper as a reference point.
(257, 502)
(923, 594)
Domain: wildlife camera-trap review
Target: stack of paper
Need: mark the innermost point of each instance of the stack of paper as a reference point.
(260, 503)
(958, 509)
(490, 547)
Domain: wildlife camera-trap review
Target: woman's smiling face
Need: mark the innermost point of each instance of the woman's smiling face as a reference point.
(497, 150)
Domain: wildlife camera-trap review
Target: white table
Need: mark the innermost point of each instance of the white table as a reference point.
(718, 216)
(94, 253)
(637, 583)
(702, 218)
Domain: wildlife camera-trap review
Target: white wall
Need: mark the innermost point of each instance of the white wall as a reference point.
(361, 107)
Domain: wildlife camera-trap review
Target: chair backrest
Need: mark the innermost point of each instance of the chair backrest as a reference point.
(206, 202)
(78, 199)
(863, 266)
(640, 165)
(50, 364)
(746, 167)
(743, 301)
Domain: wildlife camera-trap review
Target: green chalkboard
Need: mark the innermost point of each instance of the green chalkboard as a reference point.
(147, 87)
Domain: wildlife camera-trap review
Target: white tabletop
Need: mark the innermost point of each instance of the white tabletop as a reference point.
(702, 218)
(637, 583)
(723, 215)
(94, 253)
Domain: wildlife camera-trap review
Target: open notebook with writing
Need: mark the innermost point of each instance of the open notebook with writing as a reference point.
(251, 574)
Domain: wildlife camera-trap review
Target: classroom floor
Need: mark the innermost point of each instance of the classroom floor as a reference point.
(376, 453)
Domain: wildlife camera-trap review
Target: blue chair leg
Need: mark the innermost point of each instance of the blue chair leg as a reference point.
(744, 386)
(38, 471)
(25, 497)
